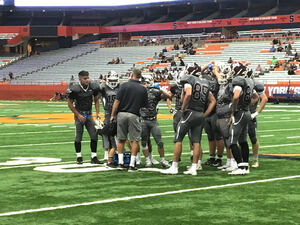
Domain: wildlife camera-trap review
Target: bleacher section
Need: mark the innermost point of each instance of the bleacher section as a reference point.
(28, 66)
(96, 61)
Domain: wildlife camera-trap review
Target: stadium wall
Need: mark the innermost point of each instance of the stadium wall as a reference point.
(30, 92)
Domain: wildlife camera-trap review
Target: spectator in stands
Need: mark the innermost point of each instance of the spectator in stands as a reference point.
(173, 63)
(155, 56)
(176, 47)
(272, 49)
(181, 40)
(259, 69)
(113, 61)
(230, 60)
(296, 58)
(291, 70)
(181, 62)
(11, 75)
(180, 55)
(280, 48)
(274, 61)
(164, 49)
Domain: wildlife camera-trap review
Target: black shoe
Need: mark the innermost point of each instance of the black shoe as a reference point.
(210, 162)
(218, 162)
(79, 160)
(112, 165)
(132, 169)
(95, 160)
(122, 167)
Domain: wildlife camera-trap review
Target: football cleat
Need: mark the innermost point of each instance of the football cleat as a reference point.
(95, 160)
(255, 164)
(154, 161)
(165, 163)
(238, 171)
(218, 163)
(111, 165)
(210, 162)
(132, 169)
(79, 160)
(247, 171)
(171, 171)
(190, 172)
(121, 167)
(148, 164)
(199, 167)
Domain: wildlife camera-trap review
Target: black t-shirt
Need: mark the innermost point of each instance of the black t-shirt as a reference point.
(83, 97)
(132, 96)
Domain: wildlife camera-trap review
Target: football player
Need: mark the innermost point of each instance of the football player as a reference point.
(252, 126)
(243, 91)
(108, 92)
(83, 94)
(195, 98)
(215, 140)
(149, 120)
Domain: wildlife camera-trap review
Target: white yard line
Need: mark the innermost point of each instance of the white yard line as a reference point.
(36, 132)
(271, 135)
(146, 196)
(293, 137)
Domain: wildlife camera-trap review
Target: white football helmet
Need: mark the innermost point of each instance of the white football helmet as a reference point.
(227, 74)
(148, 78)
(112, 79)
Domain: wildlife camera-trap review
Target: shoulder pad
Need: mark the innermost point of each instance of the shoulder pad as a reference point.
(75, 87)
(238, 81)
(94, 85)
(259, 86)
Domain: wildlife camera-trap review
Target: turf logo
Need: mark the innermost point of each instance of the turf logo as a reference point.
(16, 161)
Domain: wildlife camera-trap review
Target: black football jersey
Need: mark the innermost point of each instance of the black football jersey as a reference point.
(83, 98)
(108, 96)
(176, 91)
(223, 105)
(247, 86)
(260, 89)
(150, 111)
(200, 91)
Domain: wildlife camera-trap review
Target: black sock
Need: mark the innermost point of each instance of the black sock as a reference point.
(236, 153)
(77, 146)
(245, 151)
(93, 145)
(213, 156)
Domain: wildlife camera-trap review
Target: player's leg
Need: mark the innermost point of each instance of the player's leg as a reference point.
(122, 131)
(135, 131)
(90, 126)
(212, 144)
(78, 139)
(145, 139)
(255, 144)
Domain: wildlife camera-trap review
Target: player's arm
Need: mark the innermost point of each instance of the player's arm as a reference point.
(166, 93)
(114, 109)
(235, 100)
(97, 106)
(186, 96)
(211, 105)
(76, 113)
(216, 72)
(263, 101)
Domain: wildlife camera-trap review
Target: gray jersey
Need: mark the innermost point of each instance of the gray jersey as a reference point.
(213, 87)
(247, 86)
(224, 101)
(150, 111)
(176, 91)
(108, 96)
(200, 91)
(83, 97)
(260, 89)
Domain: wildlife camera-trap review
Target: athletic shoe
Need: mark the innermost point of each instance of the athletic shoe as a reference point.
(199, 167)
(165, 164)
(132, 169)
(148, 164)
(238, 171)
(218, 163)
(247, 171)
(229, 169)
(255, 164)
(154, 161)
(138, 161)
(210, 162)
(228, 164)
(95, 160)
(171, 170)
(79, 160)
(121, 167)
(111, 165)
(190, 172)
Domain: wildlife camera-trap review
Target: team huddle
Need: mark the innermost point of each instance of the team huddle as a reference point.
(220, 98)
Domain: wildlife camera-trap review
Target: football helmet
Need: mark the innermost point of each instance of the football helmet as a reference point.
(227, 74)
(238, 69)
(112, 79)
(148, 79)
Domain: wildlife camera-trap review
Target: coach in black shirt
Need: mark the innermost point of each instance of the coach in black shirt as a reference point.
(131, 97)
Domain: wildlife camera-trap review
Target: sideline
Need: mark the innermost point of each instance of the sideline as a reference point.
(145, 196)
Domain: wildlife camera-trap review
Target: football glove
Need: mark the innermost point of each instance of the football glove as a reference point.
(99, 124)
(253, 115)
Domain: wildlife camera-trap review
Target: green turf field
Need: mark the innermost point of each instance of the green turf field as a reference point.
(270, 194)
